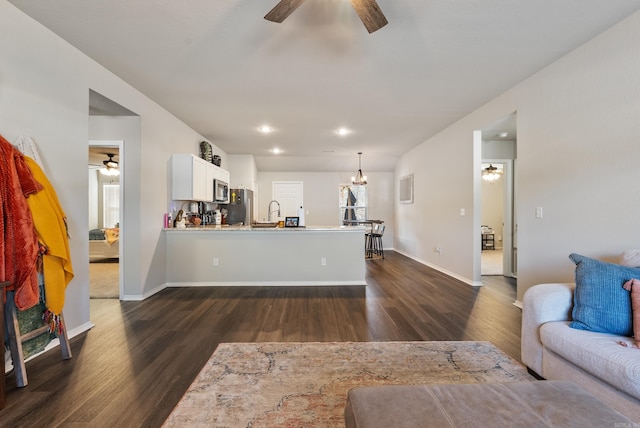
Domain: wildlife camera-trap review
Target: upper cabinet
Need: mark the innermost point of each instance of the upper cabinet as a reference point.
(221, 174)
(192, 178)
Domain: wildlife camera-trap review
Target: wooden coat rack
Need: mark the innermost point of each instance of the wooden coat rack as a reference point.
(16, 339)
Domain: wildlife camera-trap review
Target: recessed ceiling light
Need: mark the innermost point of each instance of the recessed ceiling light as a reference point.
(265, 129)
(276, 151)
(503, 134)
(343, 131)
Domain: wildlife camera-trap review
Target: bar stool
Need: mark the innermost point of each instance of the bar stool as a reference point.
(373, 241)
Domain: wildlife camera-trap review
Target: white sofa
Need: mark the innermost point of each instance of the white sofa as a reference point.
(594, 361)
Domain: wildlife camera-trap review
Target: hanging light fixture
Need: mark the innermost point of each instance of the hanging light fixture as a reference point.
(110, 166)
(359, 178)
(491, 173)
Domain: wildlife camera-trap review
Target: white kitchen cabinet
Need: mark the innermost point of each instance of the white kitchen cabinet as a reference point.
(221, 174)
(192, 178)
(209, 182)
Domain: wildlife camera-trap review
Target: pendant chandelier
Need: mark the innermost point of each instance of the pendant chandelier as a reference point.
(491, 173)
(359, 179)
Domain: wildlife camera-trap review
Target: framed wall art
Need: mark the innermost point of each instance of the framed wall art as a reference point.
(406, 189)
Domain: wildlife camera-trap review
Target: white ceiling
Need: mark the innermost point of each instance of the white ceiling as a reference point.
(224, 70)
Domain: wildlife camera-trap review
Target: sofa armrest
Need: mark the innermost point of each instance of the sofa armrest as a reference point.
(542, 303)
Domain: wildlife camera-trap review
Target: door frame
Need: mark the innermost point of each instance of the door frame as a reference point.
(507, 215)
(120, 145)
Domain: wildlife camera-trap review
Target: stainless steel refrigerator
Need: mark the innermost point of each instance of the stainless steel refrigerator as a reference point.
(240, 208)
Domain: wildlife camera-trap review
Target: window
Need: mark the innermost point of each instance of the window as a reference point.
(111, 205)
(353, 202)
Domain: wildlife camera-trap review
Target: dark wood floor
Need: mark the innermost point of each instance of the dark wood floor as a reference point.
(133, 367)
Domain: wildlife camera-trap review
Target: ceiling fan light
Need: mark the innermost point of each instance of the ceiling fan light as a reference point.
(110, 163)
(491, 173)
(110, 171)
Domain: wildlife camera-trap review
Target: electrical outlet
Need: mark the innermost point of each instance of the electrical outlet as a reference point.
(216, 262)
(323, 261)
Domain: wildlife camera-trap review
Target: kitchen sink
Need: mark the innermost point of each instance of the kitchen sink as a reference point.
(264, 224)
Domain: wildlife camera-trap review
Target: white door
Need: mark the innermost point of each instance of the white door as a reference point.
(289, 195)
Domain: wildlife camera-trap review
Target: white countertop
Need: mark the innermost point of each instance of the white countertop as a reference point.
(225, 228)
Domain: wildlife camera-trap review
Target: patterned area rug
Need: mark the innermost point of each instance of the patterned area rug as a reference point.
(305, 384)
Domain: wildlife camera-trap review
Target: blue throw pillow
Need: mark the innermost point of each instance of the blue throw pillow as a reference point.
(600, 303)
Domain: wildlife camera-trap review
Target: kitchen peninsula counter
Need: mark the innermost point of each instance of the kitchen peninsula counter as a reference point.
(265, 256)
(236, 228)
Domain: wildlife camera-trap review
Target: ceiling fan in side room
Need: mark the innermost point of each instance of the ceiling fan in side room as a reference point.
(110, 163)
(109, 166)
(368, 11)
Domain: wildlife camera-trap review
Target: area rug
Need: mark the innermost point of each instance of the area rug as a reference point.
(104, 279)
(306, 384)
(491, 263)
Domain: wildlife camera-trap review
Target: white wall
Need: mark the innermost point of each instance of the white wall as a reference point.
(492, 149)
(44, 93)
(578, 152)
(243, 171)
(321, 192)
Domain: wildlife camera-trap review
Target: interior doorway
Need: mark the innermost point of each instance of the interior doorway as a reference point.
(113, 125)
(106, 205)
(497, 217)
(495, 199)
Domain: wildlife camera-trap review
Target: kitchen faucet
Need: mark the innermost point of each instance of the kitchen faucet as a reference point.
(269, 209)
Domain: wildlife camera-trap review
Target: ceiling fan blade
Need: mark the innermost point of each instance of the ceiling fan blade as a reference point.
(283, 9)
(370, 14)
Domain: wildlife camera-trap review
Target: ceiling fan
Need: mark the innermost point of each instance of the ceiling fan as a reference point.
(110, 166)
(110, 163)
(368, 11)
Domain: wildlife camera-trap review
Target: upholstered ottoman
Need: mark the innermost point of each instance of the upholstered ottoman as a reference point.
(521, 404)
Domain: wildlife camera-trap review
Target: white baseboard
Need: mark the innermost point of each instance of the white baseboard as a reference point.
(267, 284)
(444, 271)
(139, 297)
